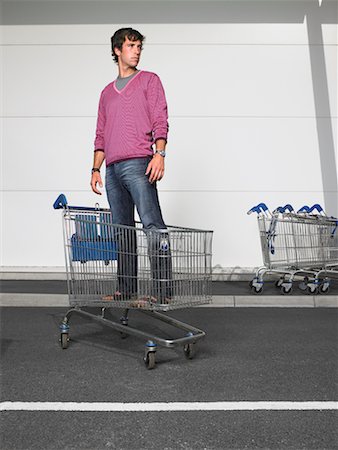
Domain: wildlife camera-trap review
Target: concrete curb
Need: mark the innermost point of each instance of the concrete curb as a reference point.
(23, 300)
(275, 301)
(219, 301)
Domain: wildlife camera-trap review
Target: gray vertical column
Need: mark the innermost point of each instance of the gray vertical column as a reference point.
(323, 114)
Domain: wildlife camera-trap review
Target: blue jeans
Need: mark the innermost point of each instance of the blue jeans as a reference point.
(127, 186)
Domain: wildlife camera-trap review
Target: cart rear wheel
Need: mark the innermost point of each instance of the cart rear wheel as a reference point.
(189, 350)
(124, 321)
(149, 360)
(257, 289)
(64, 340)
(279, 282)
(324, 288)
(312, 289)
(285, 290)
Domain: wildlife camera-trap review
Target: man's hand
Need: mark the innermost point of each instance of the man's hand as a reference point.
(96, 179)
(155, 168)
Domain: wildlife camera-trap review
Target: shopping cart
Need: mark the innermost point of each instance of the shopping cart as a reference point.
(302, 244)
(152, 271)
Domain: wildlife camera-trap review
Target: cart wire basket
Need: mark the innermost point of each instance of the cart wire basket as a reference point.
(151, 270)
(302, 244)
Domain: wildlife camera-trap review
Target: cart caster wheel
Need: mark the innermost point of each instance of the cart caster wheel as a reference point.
(149, 360)
(256, 286)
(64, 340)
(303, 284)
(324, 288)
(189, 350)
(124, 321)
(286, 289)
(255, 282)
(311, 289)
(257, 289)
(279, 282)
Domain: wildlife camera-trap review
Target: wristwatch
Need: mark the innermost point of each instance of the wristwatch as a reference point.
(160, 152)
(95, 169)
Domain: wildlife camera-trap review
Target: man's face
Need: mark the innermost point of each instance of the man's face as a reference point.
(130, 54)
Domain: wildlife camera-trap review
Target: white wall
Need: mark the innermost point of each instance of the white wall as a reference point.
(245, 126)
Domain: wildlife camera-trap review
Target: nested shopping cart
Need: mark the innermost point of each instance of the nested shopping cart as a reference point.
(131, 268)
(297, 245)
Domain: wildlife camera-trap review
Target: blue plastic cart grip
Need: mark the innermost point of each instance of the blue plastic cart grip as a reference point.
(254, 209)
(263, 207)
(288, 207)
(309, 210)
(60, 202)
(282, 209)
(335, 229)
(317, 207)
(303, 209)
(257, 209)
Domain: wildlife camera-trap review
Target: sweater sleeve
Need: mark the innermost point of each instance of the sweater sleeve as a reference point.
(158, 108)
(100, 124)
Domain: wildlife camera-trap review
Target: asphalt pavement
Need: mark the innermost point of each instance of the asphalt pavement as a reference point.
(248, 354)
(219, 288)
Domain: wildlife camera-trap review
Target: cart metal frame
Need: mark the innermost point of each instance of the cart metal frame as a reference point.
(302, 245)
(160, 270)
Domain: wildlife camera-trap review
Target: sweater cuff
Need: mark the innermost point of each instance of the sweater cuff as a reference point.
(160, 137)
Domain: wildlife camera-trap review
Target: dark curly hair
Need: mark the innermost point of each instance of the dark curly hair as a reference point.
(120, 36)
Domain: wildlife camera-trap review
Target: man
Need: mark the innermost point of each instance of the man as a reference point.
(132, 117)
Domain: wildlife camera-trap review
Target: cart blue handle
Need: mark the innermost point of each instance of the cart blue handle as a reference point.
(317, 207)
(335, 229)
(309, 210)
(258, 208)
(303, 209)
(61, 203)
(282, 209)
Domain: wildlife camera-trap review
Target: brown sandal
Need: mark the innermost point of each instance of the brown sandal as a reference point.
(117, 296)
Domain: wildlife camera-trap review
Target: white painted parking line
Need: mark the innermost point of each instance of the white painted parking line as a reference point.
(170, 406)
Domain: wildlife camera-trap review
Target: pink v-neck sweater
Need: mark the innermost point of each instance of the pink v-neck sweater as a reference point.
(131, 120)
